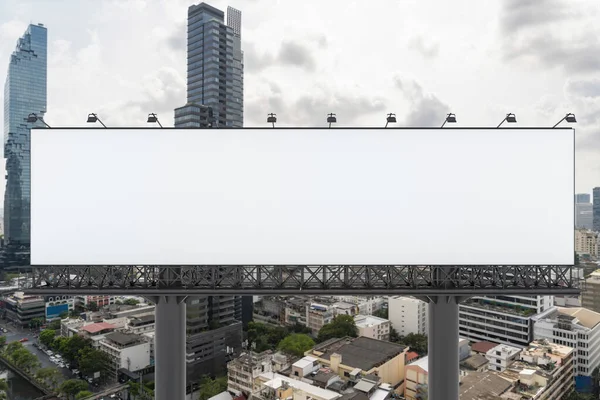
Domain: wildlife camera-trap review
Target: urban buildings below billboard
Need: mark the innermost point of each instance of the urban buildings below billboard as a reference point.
(373, 327)
(21, 308)
(408, 315)
(590, 295)
(193, 116)
(586, 243)
(582, 198)
(501, 319)
(126, 350)
(215, 75)
(584, 216)
(24, 94)
(578, 328)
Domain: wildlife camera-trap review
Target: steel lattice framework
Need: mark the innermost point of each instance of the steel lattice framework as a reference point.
(303, 279)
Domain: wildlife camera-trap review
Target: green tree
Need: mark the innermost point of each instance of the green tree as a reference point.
(36, 323)
(59, 343)
(2, 341)
(131, 302)
(118, 302)
(92, 360)
(83, 394)
(71, 348)
(71, 387)
(265, 337)
(49, 376)
(74, 313)
(394, 335)
(3, 389)
(299, 328)
(47, 337)
(23, 358)
(416, 342)
(134, 389)
(63, 315)
(210, 387)
(55, 325)
(381, 313)
(12, 347)
(92, 306)
(296, 344)
(341, 326)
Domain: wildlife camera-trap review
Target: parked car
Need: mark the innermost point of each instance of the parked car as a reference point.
(24, 340)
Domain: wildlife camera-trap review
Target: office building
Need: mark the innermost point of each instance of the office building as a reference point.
(586, 243)
(590, 295)
(193, 116)
(215, 63)
(501, 319)
(57, 306)
(584, 216)
(578, 328)
(21, 309)
(127, 351)
(595, 209)
(24, 93)
(582, 198)
(408, 315)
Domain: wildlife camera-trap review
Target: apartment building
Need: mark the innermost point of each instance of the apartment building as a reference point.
(408, 315)
(373, 327)
(417, 379)
(280, 387)
(578, 328)
(352, 358)
(586, 243)
(128, 351)
(366, 305)
(243, 372)
(501, 356)
(100, 300)
(21, 308)
(590, 295)
(501, 319)
(318, 315)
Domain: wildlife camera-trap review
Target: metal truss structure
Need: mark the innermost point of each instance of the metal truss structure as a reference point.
(302, 280)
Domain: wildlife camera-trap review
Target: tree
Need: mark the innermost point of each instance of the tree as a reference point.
(47, 337)
(55, 325)
(394, 335)
(74, 313)
(134, 389)
(381, 313)
(416, 342)
(92, 306)
(299, 328)
(296, 344)
(36, 323)
(3, 389)
(24, 359)
(59, 343)
(63, 315)
(49, 377)
(92, 360)
(341, 326)
(70, 349)
(71, 387)
(210, 387)
(12, 347)
(265, 337)
(2, 341)
(83, 394)
(131, 302)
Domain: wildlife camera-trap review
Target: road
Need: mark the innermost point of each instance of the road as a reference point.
(16, 334)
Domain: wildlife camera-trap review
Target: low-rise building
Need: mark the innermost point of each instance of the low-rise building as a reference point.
(373, 327)
(417, 379)
(57, 305)
(304, 366)
(586, 243)
(590, 295)
(408, 315)
(128, 351)
(502, 356)
(243, 372)
(21, 308)
(318, 315)
(353, 358)
(578, 328)
(367, 305)
(280, 387)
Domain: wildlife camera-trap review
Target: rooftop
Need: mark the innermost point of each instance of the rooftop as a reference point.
(483, 347)
(422, 363)
(97, 327)
(478, 385)
(124, 339)
(275, 381)
(323, 377)
(304, 362)
(361, 352)
(475, 362)
(587, 318)
(366, 321)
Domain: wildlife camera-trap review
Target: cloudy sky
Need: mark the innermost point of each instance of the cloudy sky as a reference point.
(419, 59)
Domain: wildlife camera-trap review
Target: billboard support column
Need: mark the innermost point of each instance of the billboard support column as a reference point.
(169, 347)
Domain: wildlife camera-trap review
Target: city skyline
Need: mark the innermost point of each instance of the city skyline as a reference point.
(506, 56)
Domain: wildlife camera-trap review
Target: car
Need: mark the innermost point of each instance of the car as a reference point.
(50, 353)
(23, 340)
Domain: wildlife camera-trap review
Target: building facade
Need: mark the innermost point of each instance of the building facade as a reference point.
(193, 116)
(128, 351)
(408, 315)
(21, 309)
(373, 327)
(215, 63)
(586, 243)
(582, 198)
(595, 209)
(501, 319)
(590, 295)
(243, 372)
(578, 328)
(584, 216)
(24, 93)
(57, 305)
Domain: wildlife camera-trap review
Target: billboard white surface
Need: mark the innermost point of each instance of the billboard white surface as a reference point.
(302, 196)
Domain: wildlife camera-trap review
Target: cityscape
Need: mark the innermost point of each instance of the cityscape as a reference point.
(203, 73)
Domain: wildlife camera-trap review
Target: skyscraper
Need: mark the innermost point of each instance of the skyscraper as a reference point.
(596, 209)
(215, 63)
(581, 198)
(24, 93)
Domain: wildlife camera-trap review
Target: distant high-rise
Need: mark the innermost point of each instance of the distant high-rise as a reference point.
(581, 198)
(584, 215)
(596, 208)
(24, 93)
(215, 69)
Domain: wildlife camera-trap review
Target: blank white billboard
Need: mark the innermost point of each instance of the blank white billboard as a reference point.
(302, 196)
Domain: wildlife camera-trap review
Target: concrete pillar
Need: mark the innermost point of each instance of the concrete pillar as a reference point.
(169, 348)
(443, 337)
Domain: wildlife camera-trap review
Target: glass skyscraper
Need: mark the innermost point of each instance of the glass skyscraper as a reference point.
(215, 68)
(24, 94)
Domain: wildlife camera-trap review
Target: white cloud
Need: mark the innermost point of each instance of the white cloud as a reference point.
(480, 60)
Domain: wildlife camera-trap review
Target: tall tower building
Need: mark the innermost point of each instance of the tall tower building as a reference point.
(215, 63)
(24, 94)
(596, 209)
